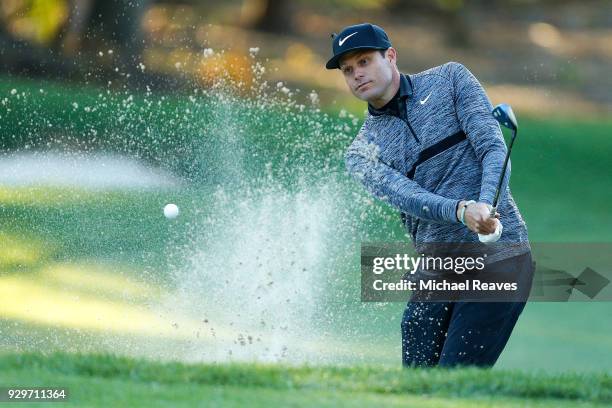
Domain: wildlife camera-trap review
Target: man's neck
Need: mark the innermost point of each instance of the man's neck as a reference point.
(389, 93)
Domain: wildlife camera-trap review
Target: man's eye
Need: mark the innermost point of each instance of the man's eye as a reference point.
(363, 61)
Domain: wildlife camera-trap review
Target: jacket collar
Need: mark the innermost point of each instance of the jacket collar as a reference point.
(392, 107)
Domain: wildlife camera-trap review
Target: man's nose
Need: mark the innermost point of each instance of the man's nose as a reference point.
(358, 73)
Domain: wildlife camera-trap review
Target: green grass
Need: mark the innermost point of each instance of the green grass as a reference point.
(561, 177)
(102, 379)
(63, 224)
(560, 172)
(560, 180)
(560, 167)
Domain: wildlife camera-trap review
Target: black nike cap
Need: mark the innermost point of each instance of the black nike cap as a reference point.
(357, 37)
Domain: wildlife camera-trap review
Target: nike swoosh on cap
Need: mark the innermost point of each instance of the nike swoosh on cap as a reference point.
(342, 40)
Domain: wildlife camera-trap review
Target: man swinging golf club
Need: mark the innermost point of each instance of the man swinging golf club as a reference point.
(431, 147)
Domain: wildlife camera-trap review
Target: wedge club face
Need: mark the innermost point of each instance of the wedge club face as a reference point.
(505, 116)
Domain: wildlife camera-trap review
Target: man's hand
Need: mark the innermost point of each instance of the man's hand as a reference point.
(478, 219)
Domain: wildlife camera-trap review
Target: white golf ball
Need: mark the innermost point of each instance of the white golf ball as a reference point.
(171, 211)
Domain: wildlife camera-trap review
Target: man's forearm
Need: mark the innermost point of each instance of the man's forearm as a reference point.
(390, 185)
(474, 109)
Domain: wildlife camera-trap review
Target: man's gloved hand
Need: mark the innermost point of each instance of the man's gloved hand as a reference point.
(478, 219)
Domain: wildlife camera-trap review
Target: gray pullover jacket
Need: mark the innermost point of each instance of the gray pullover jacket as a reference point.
(448, 148)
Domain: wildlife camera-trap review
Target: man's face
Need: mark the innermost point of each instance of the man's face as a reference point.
(367, 73)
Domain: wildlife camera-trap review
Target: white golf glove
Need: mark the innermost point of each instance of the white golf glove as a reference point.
(494, 237)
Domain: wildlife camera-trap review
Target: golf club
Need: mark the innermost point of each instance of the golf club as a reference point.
(505, 116)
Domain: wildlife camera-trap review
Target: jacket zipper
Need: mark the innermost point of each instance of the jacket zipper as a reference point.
(406, 114)
(411, 129)
(405, 119)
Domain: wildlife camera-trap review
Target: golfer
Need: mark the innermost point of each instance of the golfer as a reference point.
(431, 148)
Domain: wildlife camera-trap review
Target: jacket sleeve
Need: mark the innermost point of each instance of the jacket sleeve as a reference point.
(474, 111)
(386, 183)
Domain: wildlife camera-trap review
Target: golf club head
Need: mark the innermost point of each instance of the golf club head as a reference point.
(504, 115)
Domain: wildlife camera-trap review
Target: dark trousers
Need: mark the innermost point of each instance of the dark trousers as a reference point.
(461, 332)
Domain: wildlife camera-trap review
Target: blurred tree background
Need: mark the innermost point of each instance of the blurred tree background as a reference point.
(545, 56)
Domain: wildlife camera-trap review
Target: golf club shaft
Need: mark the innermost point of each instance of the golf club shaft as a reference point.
(503, 174)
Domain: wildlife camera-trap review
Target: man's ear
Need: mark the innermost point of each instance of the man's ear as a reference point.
(391, 54)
